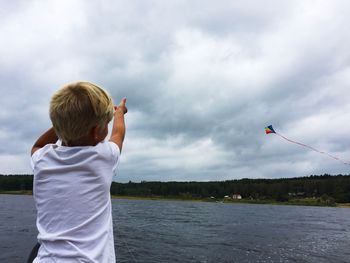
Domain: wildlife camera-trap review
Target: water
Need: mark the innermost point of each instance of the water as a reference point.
(172, 231)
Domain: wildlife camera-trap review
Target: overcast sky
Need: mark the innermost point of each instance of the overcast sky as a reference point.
(202, 80)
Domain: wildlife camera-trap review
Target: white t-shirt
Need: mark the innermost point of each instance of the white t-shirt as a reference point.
(72, 195)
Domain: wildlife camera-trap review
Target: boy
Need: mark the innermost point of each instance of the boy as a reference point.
(72, 181)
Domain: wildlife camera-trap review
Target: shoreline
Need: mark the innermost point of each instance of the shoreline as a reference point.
(244, 201)
(184, 199)
(257, 202)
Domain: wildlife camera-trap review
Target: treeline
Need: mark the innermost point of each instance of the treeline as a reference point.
(326, 186)
(16, 182)
(334, 187)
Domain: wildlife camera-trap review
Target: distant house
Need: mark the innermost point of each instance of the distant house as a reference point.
(297, 194)
(236, 196)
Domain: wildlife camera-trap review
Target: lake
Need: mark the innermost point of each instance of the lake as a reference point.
(176, 231)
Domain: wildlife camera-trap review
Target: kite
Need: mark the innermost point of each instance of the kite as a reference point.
(269, 129)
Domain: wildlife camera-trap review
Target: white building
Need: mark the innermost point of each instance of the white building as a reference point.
(236, 196)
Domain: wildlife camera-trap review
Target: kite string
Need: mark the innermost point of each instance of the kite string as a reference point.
(312, 148)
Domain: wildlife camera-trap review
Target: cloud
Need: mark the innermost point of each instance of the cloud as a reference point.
(202, 80)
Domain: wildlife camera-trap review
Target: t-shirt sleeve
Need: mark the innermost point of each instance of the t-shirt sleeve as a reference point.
(38, 154)
(34, 158)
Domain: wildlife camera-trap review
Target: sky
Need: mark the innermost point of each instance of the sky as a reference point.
(202, 80)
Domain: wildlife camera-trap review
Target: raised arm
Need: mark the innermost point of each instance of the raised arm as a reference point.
(46, 138)
(118, 130)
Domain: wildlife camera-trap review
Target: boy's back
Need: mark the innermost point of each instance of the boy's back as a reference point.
(71, 189)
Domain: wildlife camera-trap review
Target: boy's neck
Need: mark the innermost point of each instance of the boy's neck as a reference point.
(84, 141)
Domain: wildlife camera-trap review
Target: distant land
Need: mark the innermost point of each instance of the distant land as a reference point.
(320, 190)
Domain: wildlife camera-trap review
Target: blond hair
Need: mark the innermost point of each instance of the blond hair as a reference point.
(78, 107)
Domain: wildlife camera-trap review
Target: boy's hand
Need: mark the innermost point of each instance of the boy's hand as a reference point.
(122, 106)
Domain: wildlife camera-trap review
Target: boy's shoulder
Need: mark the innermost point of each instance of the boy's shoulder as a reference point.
(102, 148)
(40, 153)
(44, 149)
(104, 157)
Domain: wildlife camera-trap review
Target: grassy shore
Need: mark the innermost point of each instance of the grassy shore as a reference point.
(300, 201)
(168, 198)
(344, 205)
(17, 192)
